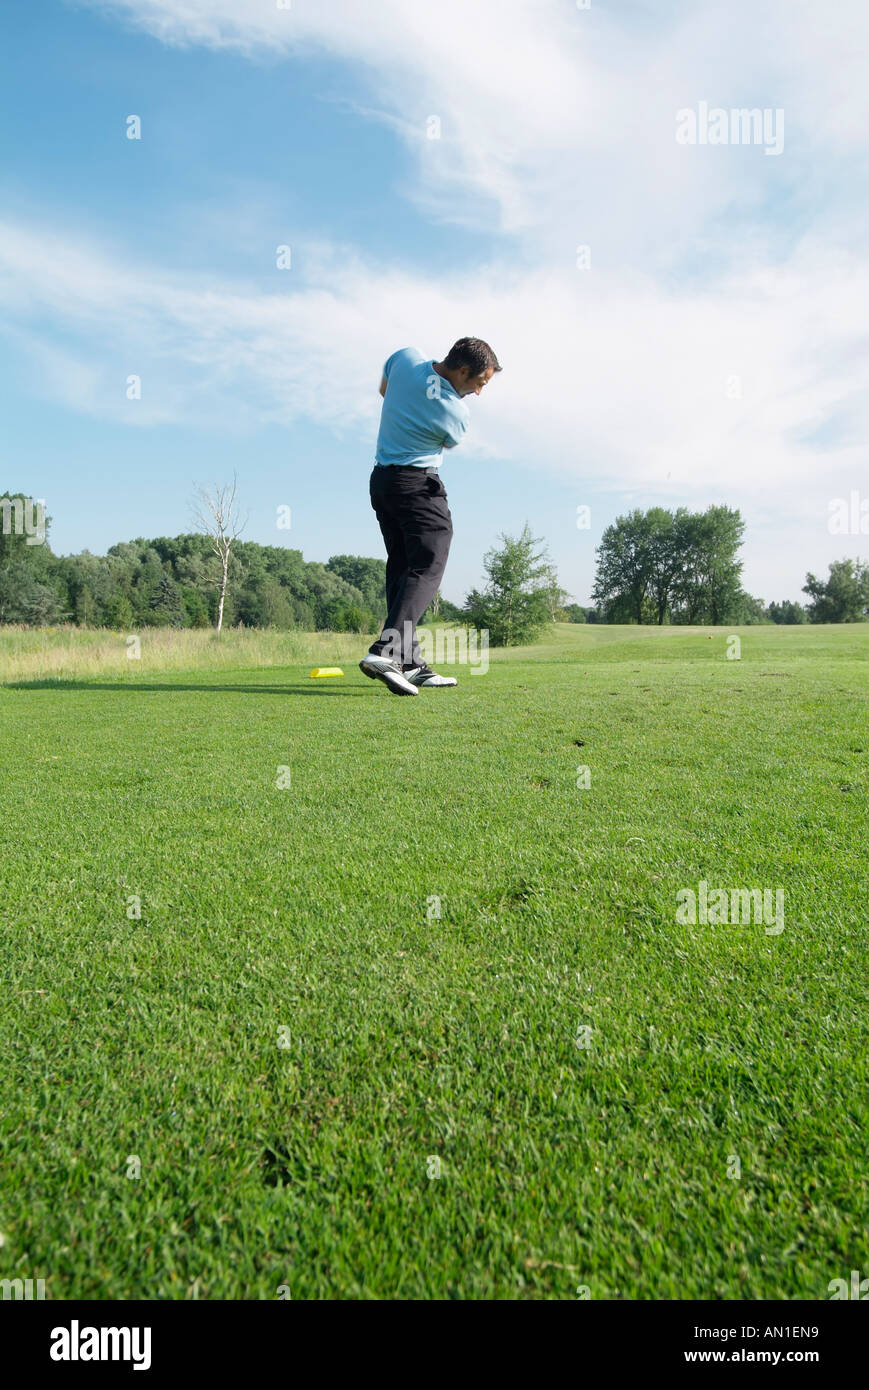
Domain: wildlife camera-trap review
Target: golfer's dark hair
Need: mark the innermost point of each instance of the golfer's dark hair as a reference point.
(472, 353)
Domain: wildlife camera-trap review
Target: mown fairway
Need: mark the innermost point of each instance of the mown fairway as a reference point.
(584, 1068)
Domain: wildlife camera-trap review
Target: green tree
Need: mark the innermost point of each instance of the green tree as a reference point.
(723, 530)
(31, 588)
(706, 587)
(515, 603)
(709, 589)
(41, 606)
(625, 568)
(85, 607)
(196, 612)
(19, 528)
(843, 597)
(575, 613)
(166, 605)
(119, 612)
(23, 599)
(367, 576)
(655, 562)
(749, 610)
(666, 539)
(304, 614)
(787, 612)
(555, 595)
(350, 617)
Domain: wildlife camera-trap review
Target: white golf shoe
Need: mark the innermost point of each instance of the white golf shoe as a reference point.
(427, 679)
(380, 669)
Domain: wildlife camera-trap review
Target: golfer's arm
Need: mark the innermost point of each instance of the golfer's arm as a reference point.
(383, 387)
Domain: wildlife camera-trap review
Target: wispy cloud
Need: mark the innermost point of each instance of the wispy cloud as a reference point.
(557, 123)
(609, 378)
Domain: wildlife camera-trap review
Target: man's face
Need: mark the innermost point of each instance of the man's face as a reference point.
(473, 385)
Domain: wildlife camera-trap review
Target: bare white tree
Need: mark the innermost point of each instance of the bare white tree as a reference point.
(217, 517)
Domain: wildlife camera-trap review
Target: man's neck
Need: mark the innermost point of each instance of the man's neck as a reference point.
(447, 376)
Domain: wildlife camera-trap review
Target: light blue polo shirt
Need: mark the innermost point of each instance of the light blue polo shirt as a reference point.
(422, 413)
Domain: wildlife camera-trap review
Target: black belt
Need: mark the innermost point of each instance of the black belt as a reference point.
(408, 467)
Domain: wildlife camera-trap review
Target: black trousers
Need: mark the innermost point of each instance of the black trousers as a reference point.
(415, 521)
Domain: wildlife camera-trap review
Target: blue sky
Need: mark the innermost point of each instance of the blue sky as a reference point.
(714, 351)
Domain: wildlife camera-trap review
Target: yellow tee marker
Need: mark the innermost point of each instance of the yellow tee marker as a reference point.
(326, 671)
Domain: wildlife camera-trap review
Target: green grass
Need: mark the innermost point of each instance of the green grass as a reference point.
(307, 908)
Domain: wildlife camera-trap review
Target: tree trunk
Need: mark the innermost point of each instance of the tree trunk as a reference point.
(222, 594)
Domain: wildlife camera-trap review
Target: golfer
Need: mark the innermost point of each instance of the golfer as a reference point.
(423, 413)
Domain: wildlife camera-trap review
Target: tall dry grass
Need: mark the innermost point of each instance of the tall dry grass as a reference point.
(64, 653)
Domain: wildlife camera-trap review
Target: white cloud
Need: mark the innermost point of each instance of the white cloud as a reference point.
(608, 378)
(558, 124)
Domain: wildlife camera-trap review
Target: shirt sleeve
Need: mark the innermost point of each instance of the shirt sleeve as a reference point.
(455, 430)
(409, 353)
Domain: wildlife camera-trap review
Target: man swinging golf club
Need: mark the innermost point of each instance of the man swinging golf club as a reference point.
(423, 413)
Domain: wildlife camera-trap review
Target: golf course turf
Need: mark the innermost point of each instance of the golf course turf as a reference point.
(407, 1011)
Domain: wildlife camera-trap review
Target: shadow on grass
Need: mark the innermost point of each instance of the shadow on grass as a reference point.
(171, 686)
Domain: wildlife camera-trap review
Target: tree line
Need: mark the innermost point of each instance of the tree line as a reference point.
(653, 567)
(177, 582)
(660, 566)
